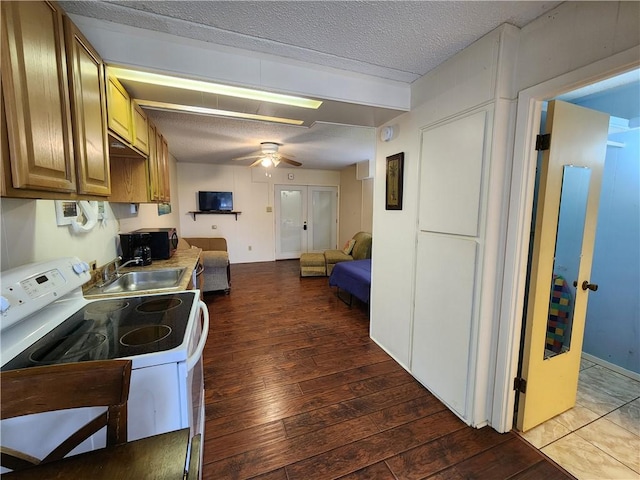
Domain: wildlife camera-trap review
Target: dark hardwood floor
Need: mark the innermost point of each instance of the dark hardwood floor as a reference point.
(295, 389)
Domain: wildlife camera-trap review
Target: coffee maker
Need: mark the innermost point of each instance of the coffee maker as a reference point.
(136, 245)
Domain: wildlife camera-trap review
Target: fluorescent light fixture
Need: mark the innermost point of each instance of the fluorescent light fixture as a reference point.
(214, 111)
(200, 86)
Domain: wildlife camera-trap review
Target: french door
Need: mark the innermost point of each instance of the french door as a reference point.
(306, 219)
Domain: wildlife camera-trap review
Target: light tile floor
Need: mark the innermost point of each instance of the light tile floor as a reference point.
(598, 439)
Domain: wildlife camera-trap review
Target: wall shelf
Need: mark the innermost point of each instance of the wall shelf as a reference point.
(214, 212)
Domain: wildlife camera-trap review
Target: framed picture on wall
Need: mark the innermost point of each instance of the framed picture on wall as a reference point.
(395, 176)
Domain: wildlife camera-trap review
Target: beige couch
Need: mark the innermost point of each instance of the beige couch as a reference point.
(361, 250)
(321, 264)
(217, 271)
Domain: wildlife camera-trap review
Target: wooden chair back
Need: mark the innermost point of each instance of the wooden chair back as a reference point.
(103, 383)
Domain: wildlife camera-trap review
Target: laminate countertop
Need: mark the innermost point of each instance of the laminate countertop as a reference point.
(183, 258)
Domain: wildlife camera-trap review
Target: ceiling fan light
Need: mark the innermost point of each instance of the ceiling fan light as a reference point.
(266, 162)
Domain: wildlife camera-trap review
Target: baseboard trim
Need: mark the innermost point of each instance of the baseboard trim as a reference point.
(611, 366)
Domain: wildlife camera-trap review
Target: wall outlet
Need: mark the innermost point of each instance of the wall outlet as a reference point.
(250, 247)
(93, 265)
(269, 209)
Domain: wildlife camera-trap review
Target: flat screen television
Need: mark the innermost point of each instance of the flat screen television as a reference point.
(220, 201)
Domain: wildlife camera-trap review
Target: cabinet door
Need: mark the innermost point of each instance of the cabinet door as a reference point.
(140, 128)
(88, 105)
(36, 95)
(154, 193)
(165, 195)
(119, 109)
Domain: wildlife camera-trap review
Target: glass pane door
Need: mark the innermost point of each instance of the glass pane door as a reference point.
(291, 213)
(323, 218)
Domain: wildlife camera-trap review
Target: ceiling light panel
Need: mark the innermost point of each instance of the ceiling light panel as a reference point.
(200, 86)
(214, 112)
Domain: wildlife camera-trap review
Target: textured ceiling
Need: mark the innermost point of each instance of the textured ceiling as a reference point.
(392, 40)
(398, 40)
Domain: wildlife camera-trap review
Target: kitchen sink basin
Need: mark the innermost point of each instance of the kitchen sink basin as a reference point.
(141, 280)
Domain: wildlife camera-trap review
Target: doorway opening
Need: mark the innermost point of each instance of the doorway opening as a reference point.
(608, 393)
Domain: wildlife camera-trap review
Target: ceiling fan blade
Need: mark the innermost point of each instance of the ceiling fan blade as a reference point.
(257, 162)
(290, 162)
(248, 157)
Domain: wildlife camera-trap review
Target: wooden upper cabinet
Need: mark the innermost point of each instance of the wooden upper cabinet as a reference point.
(36, 97)
(165, 195)
(89, 113)
(140, 128)
(154, 191)
(119, 110)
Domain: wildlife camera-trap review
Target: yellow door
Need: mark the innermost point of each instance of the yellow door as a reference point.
(560, 265)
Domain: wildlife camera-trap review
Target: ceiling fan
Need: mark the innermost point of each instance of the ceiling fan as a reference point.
(268, 156)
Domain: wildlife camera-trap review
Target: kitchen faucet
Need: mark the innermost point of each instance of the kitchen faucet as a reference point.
(111, 270)
(134, 260)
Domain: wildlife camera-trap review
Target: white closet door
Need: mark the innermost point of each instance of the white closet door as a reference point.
(442, 318)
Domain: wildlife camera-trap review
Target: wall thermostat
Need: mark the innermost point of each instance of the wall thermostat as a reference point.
(66, 212)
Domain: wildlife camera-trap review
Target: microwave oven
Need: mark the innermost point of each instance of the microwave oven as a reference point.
(163, 242)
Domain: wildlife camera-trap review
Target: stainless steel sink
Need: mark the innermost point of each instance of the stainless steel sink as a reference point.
(141, 280)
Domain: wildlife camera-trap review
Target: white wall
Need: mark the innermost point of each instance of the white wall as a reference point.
(253, 192)
(350, 205)
(468, 80)
(367, 205)
(30, 234)
(573, 35)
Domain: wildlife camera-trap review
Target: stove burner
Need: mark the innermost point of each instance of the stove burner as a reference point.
(106, 306)
(159, 305)
(145, 335)
(68, 349)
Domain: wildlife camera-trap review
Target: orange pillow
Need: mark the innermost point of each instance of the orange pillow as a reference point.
(348, 247)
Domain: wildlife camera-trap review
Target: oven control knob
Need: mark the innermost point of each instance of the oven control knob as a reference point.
(80, 267)
(4, 305)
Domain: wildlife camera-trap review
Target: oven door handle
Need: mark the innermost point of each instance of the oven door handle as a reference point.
(195, 357)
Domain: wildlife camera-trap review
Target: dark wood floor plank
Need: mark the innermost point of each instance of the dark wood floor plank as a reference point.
(378, 471)
(266, 412)
(380, 382)
(542, 470)
(349, 376)
(349, 409)
(406, 412)
(500, 463)
(219, 447)
(449, 474)
(374, 448)
(261, 398)
(427, 459)
(279, 474)
(279, 454)
(216, 392)
(334, 344)
(295, 388)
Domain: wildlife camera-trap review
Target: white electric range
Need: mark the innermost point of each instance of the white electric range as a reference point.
(46, 320)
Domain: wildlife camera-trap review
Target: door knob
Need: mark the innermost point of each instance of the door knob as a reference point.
(587, 286)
